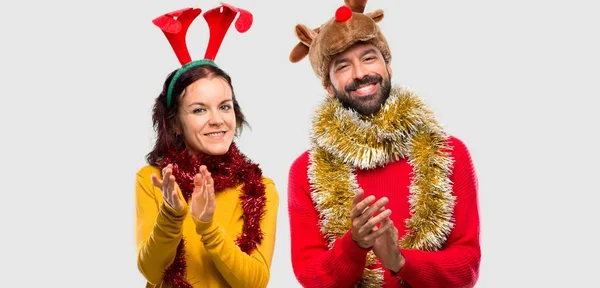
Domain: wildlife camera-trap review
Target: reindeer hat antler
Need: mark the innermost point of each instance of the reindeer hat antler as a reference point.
(349, 26)
(175, 26)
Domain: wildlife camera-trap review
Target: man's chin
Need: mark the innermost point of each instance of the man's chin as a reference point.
(364, 98)
(368, 111)
(371, 106)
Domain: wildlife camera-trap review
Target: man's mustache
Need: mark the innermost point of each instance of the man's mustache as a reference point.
(369, 79)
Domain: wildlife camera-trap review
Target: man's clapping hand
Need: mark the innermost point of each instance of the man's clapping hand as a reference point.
(364, 225)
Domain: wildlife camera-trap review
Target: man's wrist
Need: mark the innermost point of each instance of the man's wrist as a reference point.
(358, 243)
(360, 246)
(398, 264)
(352, 245)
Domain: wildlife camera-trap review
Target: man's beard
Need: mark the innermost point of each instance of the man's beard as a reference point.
(365, 105)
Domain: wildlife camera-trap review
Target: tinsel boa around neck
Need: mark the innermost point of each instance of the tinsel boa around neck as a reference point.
(344, 141)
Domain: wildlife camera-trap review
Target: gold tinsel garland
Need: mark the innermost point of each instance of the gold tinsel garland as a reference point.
(344, 141)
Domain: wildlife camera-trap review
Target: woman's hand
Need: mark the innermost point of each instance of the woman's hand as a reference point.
(203, 198)
(169, 188)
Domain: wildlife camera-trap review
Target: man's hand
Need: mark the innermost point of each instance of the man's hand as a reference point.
(364, 227)
(387, 250)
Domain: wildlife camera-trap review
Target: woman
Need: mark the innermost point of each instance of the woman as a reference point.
(206, 216)
(209, 193)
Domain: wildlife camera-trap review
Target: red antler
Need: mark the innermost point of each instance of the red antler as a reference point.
(219, 19)
(176, 29)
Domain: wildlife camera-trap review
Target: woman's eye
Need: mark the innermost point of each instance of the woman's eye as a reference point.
(226, 107)
(199, 110)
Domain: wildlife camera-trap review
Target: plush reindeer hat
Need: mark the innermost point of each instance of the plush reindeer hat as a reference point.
(175, 25)
(349, 26)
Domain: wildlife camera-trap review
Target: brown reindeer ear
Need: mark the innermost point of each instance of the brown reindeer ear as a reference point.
(305, 35)
(298, 52)
(376, 15)
(357, 6)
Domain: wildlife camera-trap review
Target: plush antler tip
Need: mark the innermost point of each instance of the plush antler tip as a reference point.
(343, 13)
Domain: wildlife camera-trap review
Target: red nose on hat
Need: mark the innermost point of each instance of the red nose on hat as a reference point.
(342, 14)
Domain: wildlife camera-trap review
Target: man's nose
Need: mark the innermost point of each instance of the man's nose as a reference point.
(359, 71)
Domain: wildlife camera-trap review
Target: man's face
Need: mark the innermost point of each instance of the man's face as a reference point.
(360, 78)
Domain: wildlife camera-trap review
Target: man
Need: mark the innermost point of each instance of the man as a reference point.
(383, 198)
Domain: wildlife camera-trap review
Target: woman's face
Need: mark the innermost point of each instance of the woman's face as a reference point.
(206, 116)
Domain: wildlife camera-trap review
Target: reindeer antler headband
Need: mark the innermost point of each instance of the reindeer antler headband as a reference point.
(175, 26)
(349, 26)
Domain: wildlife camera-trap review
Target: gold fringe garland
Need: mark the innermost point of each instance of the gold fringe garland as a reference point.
(344, 141)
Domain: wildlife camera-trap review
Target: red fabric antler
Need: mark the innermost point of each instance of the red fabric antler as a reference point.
(176, 29)
(219, 19)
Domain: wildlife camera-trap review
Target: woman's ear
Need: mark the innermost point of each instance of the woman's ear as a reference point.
(176, 127)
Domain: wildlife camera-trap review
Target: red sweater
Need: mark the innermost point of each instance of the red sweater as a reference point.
(456, 265)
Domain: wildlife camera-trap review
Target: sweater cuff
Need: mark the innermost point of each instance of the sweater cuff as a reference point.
(204, 228)
(354, 252)
(409, 268)
(171, 213)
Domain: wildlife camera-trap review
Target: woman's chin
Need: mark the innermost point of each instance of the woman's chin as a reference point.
(217, 149)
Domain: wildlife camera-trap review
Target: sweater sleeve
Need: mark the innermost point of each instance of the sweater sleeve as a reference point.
(158, 232)
(313, 263)
(238, 268)
(457, 264)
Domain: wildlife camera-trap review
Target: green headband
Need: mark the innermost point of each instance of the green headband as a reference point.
(184, 69)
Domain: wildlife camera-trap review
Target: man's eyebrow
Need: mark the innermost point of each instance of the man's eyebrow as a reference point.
(362, 54)
(339, 61)
(368, 51)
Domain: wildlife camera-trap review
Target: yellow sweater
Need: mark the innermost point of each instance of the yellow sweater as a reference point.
(213, 259)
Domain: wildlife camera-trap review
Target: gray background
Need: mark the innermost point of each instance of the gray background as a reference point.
(517, 81)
